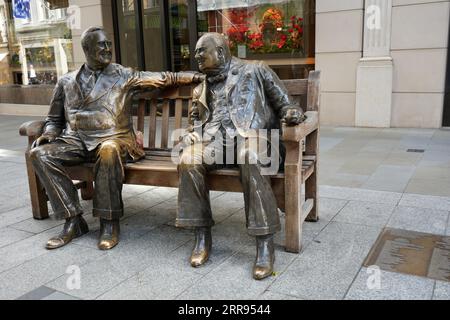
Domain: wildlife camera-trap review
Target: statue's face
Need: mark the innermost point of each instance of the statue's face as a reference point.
(99, 54)
(208, 56)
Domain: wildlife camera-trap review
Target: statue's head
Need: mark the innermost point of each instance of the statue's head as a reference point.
(97, 48)
(212, 53)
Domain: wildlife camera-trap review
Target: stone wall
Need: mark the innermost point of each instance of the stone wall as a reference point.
(29, 95)
(416, 56)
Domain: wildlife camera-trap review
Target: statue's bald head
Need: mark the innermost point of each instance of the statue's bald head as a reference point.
(212, 52)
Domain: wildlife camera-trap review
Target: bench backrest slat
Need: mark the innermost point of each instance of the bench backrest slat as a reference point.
(152, 124)
(178, 113)
(165, 124)
(141, 115)
(175, 104)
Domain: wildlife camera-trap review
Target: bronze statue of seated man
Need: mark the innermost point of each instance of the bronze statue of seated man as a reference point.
(237, 98)
(90, 120)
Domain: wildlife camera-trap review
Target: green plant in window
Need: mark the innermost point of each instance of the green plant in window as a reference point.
(15, 60)
(43, 56)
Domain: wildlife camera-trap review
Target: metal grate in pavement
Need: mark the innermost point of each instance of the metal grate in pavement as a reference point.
(416, 150)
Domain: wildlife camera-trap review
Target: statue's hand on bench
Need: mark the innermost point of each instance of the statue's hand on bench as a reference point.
(44, 139)
(293, 117)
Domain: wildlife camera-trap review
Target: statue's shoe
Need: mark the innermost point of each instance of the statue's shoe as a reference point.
(109, 234)
(73, 228)
(265, 258)
(202, 248)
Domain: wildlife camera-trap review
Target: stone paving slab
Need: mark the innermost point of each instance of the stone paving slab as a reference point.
(364, 173)
(9, 235)
(232, 280)
(14, 216)
(270, 295)
(447, 232)
(365, 213)
(59, 296)
(37, 226)
(419, 219)
(37, 294)
(390, 178)
(227, 239)
(441, 291)
(329, 208)
(25, 250)
(154, 283)
(9, 203)
(327, 267)
(124, 262)
(436, 187)
(401, 158)
(389, 286)
(425, 201)
(98, 277)
(22, 279)
(356, 194)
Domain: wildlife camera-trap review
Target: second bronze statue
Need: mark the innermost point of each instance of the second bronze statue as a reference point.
(237, 99)
(90, 120)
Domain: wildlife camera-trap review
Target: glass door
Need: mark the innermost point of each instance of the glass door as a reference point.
(126, 39)
(156, 35)
(152, 35)
(179, 35)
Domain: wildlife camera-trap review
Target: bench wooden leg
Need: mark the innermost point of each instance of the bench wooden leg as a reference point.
(311, 193)
(87, 191)
(311, 185)
(37, 193)
(293, 197)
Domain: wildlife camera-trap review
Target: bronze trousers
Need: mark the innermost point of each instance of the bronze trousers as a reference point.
(194, 208)
(49, 161)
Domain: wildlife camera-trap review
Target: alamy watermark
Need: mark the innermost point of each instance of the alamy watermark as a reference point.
(73, 282)
(374, 279)
(254, 147)
(73, 19)
(373, 17)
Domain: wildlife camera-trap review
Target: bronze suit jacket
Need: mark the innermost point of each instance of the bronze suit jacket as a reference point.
(256, 97)
(105, 113)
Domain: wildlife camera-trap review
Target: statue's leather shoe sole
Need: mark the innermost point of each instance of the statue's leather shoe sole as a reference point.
(109, 234)
(73, 228)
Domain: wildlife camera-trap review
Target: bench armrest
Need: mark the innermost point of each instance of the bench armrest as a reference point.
(299, 132)
(32, 128)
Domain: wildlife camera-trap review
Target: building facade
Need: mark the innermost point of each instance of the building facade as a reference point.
(384, 63)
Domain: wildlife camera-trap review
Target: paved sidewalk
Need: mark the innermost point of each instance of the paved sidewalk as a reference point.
(368, 181)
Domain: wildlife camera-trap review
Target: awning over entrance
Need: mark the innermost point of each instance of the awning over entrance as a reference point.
(208, 5)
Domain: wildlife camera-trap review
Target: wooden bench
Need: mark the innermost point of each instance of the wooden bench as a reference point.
(169, 109)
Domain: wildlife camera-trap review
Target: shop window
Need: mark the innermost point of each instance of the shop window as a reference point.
(281, 32)
(35, 42)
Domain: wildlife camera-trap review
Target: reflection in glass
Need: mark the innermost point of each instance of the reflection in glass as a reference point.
(152, 35)
(126, 19)
(281, 32)
(35, 42)
(179, 35)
